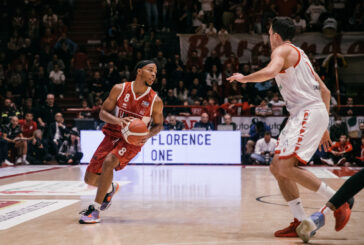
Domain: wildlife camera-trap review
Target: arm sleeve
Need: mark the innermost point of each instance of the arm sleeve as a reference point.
(348, 147)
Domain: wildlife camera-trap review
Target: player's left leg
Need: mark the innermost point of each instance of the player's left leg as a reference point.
(91, 215)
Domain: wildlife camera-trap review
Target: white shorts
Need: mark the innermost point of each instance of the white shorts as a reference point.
(302, 134)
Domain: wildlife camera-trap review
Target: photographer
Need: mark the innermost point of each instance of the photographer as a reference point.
(264, 149)
(37, 151)
(70, 150)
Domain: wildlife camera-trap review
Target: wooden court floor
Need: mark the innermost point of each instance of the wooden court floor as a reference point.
(173, 205)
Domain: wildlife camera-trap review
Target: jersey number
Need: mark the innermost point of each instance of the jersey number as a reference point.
(126, 98)
(122, 151)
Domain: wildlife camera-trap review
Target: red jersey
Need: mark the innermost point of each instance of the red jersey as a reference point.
(27, 128)
(338, 147)
(128, 104)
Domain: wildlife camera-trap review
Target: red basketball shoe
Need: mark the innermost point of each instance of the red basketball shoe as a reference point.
(290, 231)
(342, 216)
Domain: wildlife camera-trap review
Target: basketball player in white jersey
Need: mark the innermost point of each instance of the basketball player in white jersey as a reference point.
(307, 100)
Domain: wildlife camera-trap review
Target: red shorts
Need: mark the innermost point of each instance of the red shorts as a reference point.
(123, 151)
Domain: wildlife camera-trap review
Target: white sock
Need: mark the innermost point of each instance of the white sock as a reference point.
(24, 156)
(325, 210)
(297, 209)
(110, 188)
(325, 191)
(97, 205)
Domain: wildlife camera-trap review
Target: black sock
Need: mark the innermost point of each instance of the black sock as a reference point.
(349, 189)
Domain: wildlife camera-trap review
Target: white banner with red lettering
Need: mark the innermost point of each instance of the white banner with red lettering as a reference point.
(244, 45)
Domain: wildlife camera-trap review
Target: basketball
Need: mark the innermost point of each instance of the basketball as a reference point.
(134, 130)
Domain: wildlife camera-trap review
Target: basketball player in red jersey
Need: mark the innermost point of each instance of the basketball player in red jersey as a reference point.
(126, 101)
(308, 102)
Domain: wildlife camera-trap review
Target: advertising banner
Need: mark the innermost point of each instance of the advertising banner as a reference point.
(210, 147)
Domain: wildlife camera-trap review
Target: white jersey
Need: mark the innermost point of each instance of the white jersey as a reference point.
(298, 85)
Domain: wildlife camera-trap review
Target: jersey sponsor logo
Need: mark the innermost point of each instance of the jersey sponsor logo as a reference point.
(145, 103)
(316, 87)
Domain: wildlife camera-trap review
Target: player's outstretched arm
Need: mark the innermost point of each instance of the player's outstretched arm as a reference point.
(109, 105)
(270, 71)
(157, 117)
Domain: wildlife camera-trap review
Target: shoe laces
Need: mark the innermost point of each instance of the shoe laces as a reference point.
(88, 210)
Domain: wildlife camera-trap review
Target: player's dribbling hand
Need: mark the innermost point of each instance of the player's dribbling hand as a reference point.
(325, 142)
(236, 77)
(125, 120)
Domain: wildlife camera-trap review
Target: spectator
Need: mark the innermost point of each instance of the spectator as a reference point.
(181, 92)
(4, 152)
(340, 152)
(58, 79)
(87, 110)
(196, 111)
(228, 121)
(28, 126)
(70, 150)
(14, 137)
(348, 109)
(241, 21)
(50, 19)
(47, 112)
(277, 105)
(55, 61)
(194, 60)
(112, 76)
(9, 110)
(257, 130)
(172, 100)
(56, 134)
(198, 25)
(314, 12)
(37, 150)
(212, 60)
(174, 124)
(80, 63)
(204, 123)
(96, 88)
(263, 109)
(152, 13)
(337, 129)
(300, 24)
(210, 30)
(160, 61)
(264, 149)
(214, 75)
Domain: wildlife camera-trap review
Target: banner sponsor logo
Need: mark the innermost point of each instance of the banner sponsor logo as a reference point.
(50, 188)
(244, 46)
(16, 212)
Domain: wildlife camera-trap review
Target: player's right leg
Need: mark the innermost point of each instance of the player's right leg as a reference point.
(290, 193)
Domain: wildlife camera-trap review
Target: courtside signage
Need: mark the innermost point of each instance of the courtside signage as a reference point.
(50, 188)
(14, 212)
(200, 147)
